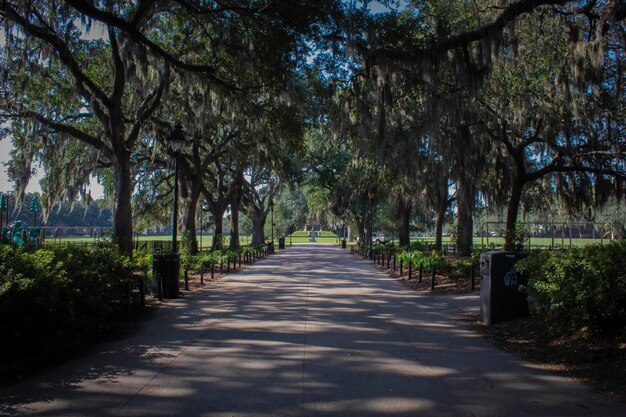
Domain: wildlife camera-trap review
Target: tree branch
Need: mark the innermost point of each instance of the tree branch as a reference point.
(63, 128)
(439, 46)
(88, 9)
(86, 87)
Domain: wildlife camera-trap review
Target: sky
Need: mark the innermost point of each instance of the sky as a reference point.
(33, 185)
(5, 148)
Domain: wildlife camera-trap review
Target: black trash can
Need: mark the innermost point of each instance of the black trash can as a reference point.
(281, 243)
(500, 296)
(165, 275)
(344, 244)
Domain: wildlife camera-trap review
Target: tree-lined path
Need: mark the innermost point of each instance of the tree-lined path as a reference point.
(309, 331)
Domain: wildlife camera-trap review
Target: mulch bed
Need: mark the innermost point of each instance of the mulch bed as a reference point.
(444, 284)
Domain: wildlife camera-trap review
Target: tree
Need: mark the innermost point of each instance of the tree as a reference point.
(547, 128)
(47, 46)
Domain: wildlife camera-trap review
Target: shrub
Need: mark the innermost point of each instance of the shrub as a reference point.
(579, 288)
(207, 259)
(53, 299)
(426, 259)
(419, 245)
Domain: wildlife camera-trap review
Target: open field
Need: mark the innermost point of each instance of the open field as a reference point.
(534, 242)
(329, 237)
(302, 236)
(205, 242)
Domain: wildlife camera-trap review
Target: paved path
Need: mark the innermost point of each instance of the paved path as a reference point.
(310, 331)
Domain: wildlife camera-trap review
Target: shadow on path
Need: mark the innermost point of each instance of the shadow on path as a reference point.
(310, 331)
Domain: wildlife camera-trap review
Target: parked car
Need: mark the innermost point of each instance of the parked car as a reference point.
(379, 238)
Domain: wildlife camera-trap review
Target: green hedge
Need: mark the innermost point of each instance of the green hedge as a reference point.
(55, 299)
(579, 288)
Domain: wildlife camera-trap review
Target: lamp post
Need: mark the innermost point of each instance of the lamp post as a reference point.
(272, 220)
(177, 141)
(372, 195)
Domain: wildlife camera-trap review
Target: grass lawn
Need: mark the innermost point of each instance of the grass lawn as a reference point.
(534, 242)
(207, 240)
(329, 237)
(301, 236)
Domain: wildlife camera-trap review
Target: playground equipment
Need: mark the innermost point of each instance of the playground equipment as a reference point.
(20, 235)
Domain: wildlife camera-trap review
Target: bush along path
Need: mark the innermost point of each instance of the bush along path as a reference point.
(57, 300)
(210, 266)
(423, 269)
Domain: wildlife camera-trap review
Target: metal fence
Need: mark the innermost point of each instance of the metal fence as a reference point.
(548, 234)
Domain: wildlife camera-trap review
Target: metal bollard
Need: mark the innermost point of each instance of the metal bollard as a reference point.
(202, 274)
(142, 293)
(160, 286)
(400, 267)
(432, 279)
(410, 267)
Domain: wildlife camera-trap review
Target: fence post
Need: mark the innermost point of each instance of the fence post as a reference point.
(432, 278)
(389, 259)
(186, 280)
(160, 286)
(400, 267)
(472, 276)
(410, 266)
(202, 274)
(394, 262)
(419, 278)
(142, 292)
(212, 269)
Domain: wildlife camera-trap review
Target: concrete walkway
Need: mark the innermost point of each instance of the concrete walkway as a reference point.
(310, 331)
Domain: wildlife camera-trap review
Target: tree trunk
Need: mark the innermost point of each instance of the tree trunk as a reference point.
(441, 215)
(218, 237)
(234, 226)
(258, 227)
(465, 221)
(510, 236)
(404, 212)
(360, 224)
(123, 217)
(190, 240)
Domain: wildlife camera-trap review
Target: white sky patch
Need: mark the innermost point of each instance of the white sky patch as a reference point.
(97, 31)
(7, 185)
